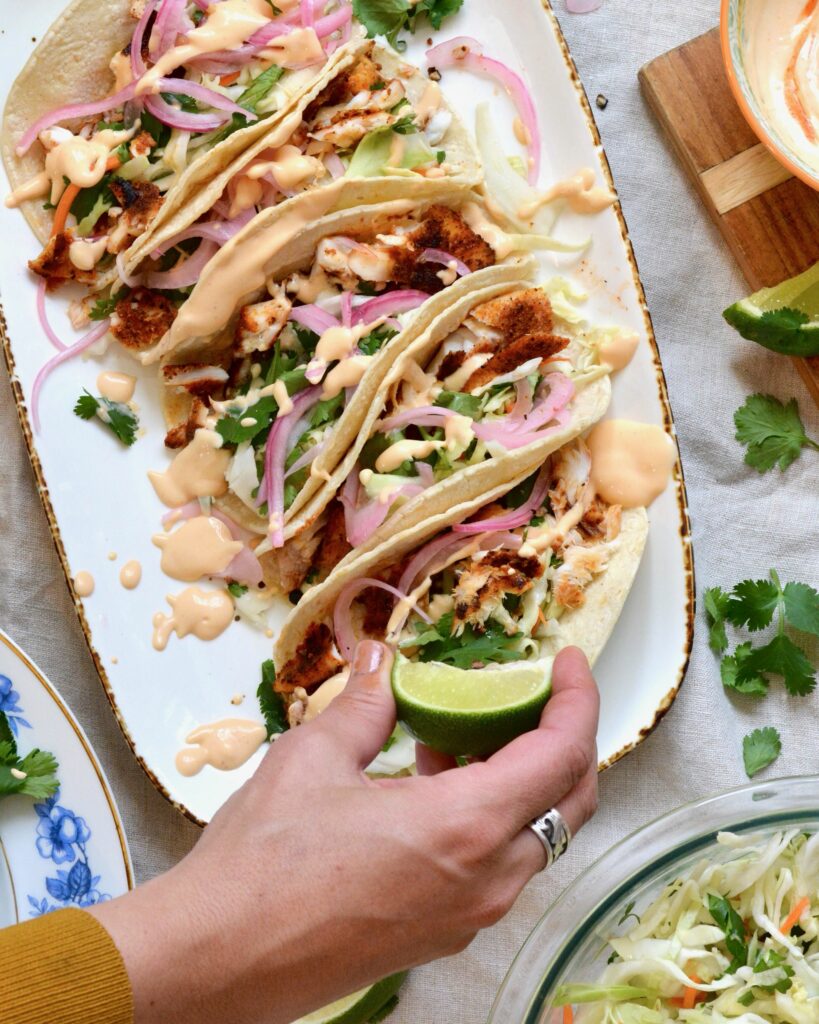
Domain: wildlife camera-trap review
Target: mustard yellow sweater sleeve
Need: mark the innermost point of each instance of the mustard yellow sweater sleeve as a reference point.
(62, 967)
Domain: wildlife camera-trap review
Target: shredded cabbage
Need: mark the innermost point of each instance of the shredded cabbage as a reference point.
(372, 155)
(735, 942)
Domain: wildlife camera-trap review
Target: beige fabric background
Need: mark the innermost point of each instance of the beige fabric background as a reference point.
(742, 523)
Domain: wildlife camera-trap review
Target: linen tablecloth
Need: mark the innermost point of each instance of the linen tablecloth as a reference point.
(743, 523)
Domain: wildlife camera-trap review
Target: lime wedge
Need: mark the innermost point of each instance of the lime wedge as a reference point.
(469, 711)
(784, 318)
(362, 1006)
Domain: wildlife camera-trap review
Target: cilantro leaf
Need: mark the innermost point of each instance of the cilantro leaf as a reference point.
(731, 923)
(376, 339)
(326, 410)
(237, 589)
(802, 607)
(6, 735)
(759, 749)
(716, 605)
(780, 657)
(458, 401)
(436, 10)
(753, 686)
(103, 308)
(271, 703)
(464, 650)
(381, 17)
(33, 775)
(119, 418)
(753, 603)
(389, 17)
(250, 99)
(773, 432)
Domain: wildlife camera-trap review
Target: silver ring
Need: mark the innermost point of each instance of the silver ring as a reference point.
(554, 834)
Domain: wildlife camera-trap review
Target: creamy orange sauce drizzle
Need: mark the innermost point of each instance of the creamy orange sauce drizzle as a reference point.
(130, 575)
(197, 471)
(617, 349)
(85, 254)
(199, 547)
(579, 191)
(73, 159)
(228, 24)
(320, 699)
(224, 745)
(346, 374)
(491, 233)
(631, 462)
(116, 387)
(392, 457)
(84, 583)
(522, 133)
(288, 165)
(240, 270)
(204, 614)
(428, 102)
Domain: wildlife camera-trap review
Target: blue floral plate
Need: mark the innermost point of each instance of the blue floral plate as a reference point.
(69, 850)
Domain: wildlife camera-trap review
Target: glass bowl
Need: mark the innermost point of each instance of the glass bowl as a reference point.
(569, 944)
(734, 29)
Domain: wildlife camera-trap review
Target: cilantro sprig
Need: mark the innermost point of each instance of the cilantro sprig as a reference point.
(760, 748)
(754, 604)
(437, 642)
(120, 419)
(33, 775)
(391, 17)
(772, 432)
(271, 703)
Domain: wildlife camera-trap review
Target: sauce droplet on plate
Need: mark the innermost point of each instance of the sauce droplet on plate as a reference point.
(204, 613)
(198, 471)
(617, 349)
(116, 387)
(202, 546)
(225, 745)
(130, 574)
(84, 584)
(631, 462)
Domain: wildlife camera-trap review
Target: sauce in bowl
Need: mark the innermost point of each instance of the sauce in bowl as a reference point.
(780, 46)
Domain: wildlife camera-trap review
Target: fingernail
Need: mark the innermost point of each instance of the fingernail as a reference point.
(368, 656)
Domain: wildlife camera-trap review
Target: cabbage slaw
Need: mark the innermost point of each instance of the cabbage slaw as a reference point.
(734, 942)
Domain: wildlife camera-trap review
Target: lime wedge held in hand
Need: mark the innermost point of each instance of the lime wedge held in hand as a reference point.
(361, 1007)
(469, 711)
(784, 318)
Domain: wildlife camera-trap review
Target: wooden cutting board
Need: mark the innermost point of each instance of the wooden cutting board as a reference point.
(769, 219)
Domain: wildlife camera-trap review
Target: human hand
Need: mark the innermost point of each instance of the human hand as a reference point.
(314, 880)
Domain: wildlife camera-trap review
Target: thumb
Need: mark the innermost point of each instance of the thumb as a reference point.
(362, 717)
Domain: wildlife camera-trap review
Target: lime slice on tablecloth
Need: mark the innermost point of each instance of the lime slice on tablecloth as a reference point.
(469, 711)
(784, 318)
(361, 1007)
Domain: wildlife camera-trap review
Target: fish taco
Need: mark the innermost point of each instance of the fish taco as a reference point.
(495, 384)
(505, 579)
(279, 353)
(144, 90)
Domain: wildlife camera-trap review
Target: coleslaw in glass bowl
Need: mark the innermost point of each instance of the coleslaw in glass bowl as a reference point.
(708, 915)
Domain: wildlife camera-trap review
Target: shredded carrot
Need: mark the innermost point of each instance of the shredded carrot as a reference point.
(112, 163)
(795, 914)
(64, 205)
(689, 999)
(568, 1015)
(229, 79)
(542, 617)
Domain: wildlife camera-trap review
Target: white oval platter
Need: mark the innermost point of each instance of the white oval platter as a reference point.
(99, 500)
